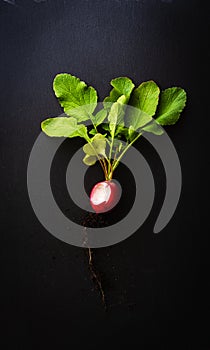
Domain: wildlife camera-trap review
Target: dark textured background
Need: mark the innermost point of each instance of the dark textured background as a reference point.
(157, 286)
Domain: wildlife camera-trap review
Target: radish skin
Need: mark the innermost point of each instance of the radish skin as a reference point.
(105, 195)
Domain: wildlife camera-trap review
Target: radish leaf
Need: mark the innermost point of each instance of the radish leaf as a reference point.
(172, 102)
(154, 128)
(145, 97)
(64, 127)
(89, 160)
(116, 116)
(121, 86)
(99, 117)
(137, 119)
(77, 99)
(97, 146)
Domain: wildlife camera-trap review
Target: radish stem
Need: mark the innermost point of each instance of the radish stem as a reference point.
(124, 151)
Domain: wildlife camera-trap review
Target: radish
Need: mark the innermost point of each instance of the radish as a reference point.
(114, 127)
(125, 115)
(105, 195)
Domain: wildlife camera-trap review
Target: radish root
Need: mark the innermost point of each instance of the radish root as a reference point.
(95, 276)
(94, 273)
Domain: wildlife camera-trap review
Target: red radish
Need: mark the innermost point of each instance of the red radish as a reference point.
(105, 195)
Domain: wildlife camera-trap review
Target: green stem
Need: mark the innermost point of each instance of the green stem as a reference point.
(124, 151)
(105, 167)
(110, 169)
(100, 161)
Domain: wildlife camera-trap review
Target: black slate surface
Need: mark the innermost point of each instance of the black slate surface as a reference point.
(156, 286)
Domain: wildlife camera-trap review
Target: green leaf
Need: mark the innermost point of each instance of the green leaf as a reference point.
(77, 99)
(93, 131)
(88, 149)
(121, 86)
(105, 126)
(121, 131)
(89, 160)
(145, 97)
(131, 133)
(153, 128)
(99, 117)
(64, 127)
(81, 132)
(97, 146)
(136, 119)
(116, 117)
(172, 102)
(119, 96)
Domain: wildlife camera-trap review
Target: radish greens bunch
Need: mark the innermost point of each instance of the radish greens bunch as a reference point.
(113, 123)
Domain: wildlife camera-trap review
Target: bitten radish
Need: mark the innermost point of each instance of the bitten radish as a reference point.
(105, 195)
